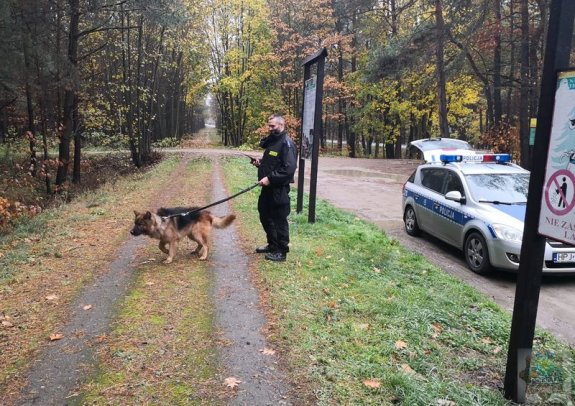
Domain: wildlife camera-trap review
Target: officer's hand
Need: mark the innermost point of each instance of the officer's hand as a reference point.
(264, 181)
(255, 162)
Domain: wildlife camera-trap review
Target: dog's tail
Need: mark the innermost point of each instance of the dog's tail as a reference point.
(223, 222)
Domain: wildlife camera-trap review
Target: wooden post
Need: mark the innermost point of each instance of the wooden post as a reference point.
(557, 51)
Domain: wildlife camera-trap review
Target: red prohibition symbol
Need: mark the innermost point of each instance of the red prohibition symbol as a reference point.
(557, 184)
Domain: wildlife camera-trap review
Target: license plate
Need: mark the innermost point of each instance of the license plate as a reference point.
(563, 257)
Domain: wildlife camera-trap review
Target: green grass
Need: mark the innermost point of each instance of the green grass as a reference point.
(354, 305)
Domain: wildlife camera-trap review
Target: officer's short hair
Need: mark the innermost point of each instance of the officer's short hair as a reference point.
(279, 118)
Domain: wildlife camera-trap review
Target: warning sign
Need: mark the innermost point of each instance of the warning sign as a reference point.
(557, 217)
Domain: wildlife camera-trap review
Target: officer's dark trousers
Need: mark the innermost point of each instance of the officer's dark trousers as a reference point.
(274, 209)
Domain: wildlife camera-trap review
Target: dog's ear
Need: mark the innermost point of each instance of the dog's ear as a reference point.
(136, 213)
(148, 215)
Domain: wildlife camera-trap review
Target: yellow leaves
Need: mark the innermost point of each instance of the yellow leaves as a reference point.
(232, 382)
(56, 336)
(400, 345)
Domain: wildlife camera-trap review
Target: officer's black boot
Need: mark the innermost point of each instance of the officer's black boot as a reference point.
(276, 256)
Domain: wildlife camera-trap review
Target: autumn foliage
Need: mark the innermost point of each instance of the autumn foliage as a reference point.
(502, 138)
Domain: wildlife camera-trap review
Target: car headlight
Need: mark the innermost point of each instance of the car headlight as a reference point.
(507, 233)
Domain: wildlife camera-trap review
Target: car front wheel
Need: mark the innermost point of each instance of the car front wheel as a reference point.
(476, 254)
(410, 221)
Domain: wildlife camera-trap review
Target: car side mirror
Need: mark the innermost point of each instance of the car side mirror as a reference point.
(455, 196)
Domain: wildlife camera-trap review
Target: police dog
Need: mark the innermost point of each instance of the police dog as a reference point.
(169, 225)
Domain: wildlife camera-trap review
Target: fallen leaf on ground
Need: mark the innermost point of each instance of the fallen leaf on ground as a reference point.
(437, 329)
(149, 283)
(56, 337)
(268, 351)
(407, 369)
(232, 382)
(497, 350)
(400, 345)
(487, 340)
(372, 383)
(443, 402)
(87, 307)
(6, 323)
(51, 297)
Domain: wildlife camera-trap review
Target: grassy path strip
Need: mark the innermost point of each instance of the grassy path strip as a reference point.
(161, 349)
(47, 262)
(363, 321)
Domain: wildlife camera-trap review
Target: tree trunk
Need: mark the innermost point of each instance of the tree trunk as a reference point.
(30, 107)
(440, 65)
(69, 95)
(524, 87)
(497, 107)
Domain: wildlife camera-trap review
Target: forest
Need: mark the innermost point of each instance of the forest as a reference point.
(137, 73)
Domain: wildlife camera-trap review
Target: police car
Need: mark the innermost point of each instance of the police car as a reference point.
(477, 203)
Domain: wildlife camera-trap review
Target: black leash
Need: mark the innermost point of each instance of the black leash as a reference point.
(213, 204)
(252, 159)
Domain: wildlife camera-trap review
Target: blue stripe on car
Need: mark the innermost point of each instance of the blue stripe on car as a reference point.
(436, 207)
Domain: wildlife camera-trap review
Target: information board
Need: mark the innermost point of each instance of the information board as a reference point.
(557, 217)
(308, 117)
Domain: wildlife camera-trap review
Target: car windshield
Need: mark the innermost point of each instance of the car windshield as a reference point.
(500, 188)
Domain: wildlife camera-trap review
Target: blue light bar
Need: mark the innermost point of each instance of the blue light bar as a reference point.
(479, 158)
(450, 158)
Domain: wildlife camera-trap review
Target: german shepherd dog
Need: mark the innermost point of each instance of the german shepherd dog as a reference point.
(169, 225)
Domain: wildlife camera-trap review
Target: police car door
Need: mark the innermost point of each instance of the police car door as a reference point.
(432, 181)
(450, 213)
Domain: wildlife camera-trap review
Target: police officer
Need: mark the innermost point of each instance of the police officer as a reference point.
(275, 172)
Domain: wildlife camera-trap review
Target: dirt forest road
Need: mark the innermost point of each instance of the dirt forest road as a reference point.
(371, 188)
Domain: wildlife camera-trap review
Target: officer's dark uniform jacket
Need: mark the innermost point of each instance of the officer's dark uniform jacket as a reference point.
(279, 160)
(278, 164)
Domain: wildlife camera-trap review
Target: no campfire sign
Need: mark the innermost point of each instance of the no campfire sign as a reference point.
(557, 217)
